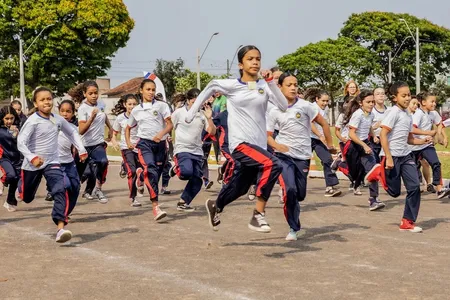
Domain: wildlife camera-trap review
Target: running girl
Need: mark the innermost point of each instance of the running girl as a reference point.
(293, 147)
(378, 112)
(358, 154)
(91, 122)
(130, 157)
(422, 128)
(68, 166)
(154, 123)
(247, 99)
(188, 148)
(38, 143)
(10, 158)
(396, 157)
(320, 99)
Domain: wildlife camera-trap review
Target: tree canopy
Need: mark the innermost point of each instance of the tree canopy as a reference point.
(383, 32)
(79, 46)
(168, 71)
(189, 81)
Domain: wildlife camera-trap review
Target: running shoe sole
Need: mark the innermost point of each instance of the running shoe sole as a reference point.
(65, 237)
(210, 219)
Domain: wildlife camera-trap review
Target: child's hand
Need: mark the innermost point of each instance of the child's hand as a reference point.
(37, 162)
(282, 148)
(376, 140)
(367, 149)
(389, 163)
(94, 113)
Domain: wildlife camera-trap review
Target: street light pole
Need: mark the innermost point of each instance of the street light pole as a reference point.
(23, 99)
(391, 58)
(199, 58)
(237, 49)
(416, 39)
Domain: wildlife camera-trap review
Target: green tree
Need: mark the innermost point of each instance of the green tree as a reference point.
(189, 81)
(442, 90)
(80, 45)
(168, 71)
(382, 32)
(328, 64)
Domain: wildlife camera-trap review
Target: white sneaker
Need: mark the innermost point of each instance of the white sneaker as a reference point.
(1, 188)
(100, 196)
(87, 196)
(63, 236)
(292, 235)
(158, 213)
(9, 207)
(135, 203)
(357, 192)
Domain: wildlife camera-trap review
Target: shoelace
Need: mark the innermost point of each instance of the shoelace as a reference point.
(216, 218)
(261, 219)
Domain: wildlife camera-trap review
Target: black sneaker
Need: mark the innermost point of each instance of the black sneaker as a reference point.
(258, 222)
(208, 184)
(375, 204)
(336, 162)
(122, 172)
(182, 206)
(172, 172)
(332, 192)
(213, 214)
(165, 191)
(430, 188)
(443, 193)
(49, 197)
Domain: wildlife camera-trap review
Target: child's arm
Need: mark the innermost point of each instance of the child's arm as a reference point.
(83, 125)
(22, 139)
(74, 138)
(110, 129)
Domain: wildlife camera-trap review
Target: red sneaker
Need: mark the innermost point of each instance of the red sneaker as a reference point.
(408, 225)
(373, 175)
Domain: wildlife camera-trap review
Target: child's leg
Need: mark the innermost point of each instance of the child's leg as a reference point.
(326, 159)
(129, 162)
(10, 177)
(71, 175)
(391, 178)
(430, 155)
(411, 179)
(29, 184)
(369, 161)
(55, 181)
(191, 170)
(148, 161)
(165, 174)
(288, 184)
(205, 170)
(98, 155)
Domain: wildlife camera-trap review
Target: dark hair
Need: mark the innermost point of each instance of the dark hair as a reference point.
(422, 96)
(242, 52)
(16, 102)
(274, 69)
(76, 93)
(120, 106)
(72, 105)
(312, 94)
(192, 93)
(144, 82)
(33, 99)
(393, 89)
(9, 110)
(284, 76)
(88, 84)
(355, 104)
(177, 98)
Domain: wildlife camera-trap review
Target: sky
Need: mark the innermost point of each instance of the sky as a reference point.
(169, 29)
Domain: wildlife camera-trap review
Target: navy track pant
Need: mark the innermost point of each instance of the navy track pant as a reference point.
(131, 163)
(189, 167)
(96, 156)
(326, 159)
(71, 184)
(11, 176)
(430, 155)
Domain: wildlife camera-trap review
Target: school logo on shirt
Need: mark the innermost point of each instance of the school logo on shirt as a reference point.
(261, 91)
(155, 113)
(102, 109)
(298, 115)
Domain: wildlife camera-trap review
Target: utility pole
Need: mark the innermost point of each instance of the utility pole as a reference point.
(417, 62)
(228, 68)
(390, 67)
(23, 99)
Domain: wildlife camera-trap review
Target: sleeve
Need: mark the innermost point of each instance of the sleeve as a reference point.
(272, 120)
(132, 120)
(82, 114)
(116, 126)
(416, 119)
(355, 120)
(212, 87)
(205, 122)
(313, 112)
(437, 119)
(446, 123)
(175, 118)
(23, 138)
(73, 135)
(276, 97)
(389, 120)
(165, 110)
(339, 121)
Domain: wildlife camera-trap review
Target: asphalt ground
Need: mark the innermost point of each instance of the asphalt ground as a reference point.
(118, 252)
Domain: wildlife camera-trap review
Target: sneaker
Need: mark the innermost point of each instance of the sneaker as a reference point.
(332, 192)
(208, 184)
(164, 191)
(258, 222)
(158, 213)
(139, 183)
(18, 196)
(292, 235)
(375, 204)
(213, 214)
(182, 206)
(280, 196)
(172, 172)
(9, 207)
(219, 176)
(122, 172)
(100, 196)
(430, 188)
(373, 175)
(443, 193)
(357, 192)
(49, 197)
(63, 236)
(87, 196)
(336, 163)
(1, 188)
(252, 193)
(408, 225)
(135, 203)
(351, 186)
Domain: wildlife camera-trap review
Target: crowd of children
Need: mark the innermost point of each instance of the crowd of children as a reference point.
(265, 130)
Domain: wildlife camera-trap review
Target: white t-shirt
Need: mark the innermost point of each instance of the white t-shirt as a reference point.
(324, 114)
(150, 117)
(362, 122)
(119, 125)
(295, 128)
(340, 125)
(188, 136)
(399, 124)
(378, 116)
(247, 107)
(95, 135)
(65, 146)
(422, 121)
(39, 137)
